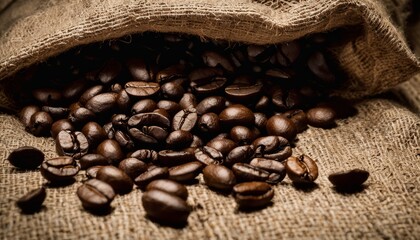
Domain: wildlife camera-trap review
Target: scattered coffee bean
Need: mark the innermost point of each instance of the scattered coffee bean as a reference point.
(96, 195)
(151, 174)
(59, 169)
(117, 178)
(32, 201)
(185, 172)
(301, 169)
(132, 167)
(170, 187)
(322, 117)
(350, 179)
(219, 177)
(26, 157)
(92, 159)
(253, 194)
(247, 172)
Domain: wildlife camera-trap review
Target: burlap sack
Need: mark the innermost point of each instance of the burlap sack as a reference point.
(383, 138)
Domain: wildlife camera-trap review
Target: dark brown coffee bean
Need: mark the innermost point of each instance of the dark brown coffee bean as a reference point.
(253, 194)
(169, 186)
(119, 121)
(142, 89)
(209, 123)
(48, 96)
(320, 67)
(279, 125)
(215, 59)
(165, 208)
(111, 150)
(117, 178)
(247, 172)
(207, 81)
(143, 106)
(74, 144)
(322, 117)
(75, 89)
(123, 101)
(179, 139)
(240, 154)
(276, 169)
(174, 158)
(26, 114)
(223, 145)
(124, 140)
(213, 104)
(288, 53)
(139, 69)
(185, 119)
(92, 159)
(301, 169)
(208, 155)
(60, 169)
(56, 112)
(185, 172)
(96, 195)
(172, 90)
(132, 167)
(149, 119)
(260, 120)
(244, 92)
(163, 112)
(26, 157)
(169, 106)
(40, 124)
(150, 175)
(187, 101)
(299, 119)
(110, 131)
(110, 71)
(219, 177)
(93, 171)
(80, 115)
(196, 142)
(242, 135)
(145, 155)
(171, 73)
(342, 107)
(90, 93)
(61, 125)
(237, 115)
(272, 147)
(263, 103)
(104, 102)
(32, 201)
(148, 134)
(94, 133)
(347, 180)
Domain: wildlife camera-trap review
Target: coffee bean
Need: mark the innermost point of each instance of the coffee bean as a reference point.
(124, 140)
(75, 89)
(174, 158)
(74, 144)
(151, 135)
(149, 119)
(111, 150)
(170, 73)
(253, 194)
(279, 125)
(209, 123)
(151, 174)
(169, 186)
(132, 167)
(56, 112)
(262, 104)
(90, 93)
(172, 90)
(237, 115)
(247, 172)
(179, 139)
(79, 115)
(145, 155)
(272, 147)
(142, 89)
(119, 121)
(59, 169)
(110, 71)
(61, 125)
(223, 145)
(322, 117)
(48, 96)
(104, 102)
(40, 124)
(219, 177)
(165, 208)
(208, 155)
(215, 59)
(213, 104)
(196, 142)
(26, 114)
(139, 69)
(143, 106)
(299, 119)
(187, 101)
(185, 172)
(242, 135)
(117, 178)
(301, 169)
(169, 106)
(207, 81)
(240, 154)
(260, 120)
(96, 195)
(347, 180)
(93, 171)
(92, 159)
(26, 157)
(244, 92)
(94, 133)
(276, 169)
(185, 119)
(288, 53)
(32, 201)
(319, 66)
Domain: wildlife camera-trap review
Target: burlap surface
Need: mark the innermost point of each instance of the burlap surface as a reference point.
(383, 138)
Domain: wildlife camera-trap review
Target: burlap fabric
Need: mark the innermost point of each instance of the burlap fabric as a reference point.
(383, 138)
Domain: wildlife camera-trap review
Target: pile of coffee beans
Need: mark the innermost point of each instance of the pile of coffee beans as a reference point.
(157, 110)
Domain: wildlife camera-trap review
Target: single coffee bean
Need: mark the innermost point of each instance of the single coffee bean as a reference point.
(75, 89)
(48, 96)
(150, 175)
(185, 119)
(101, 103)
(260, 120)
(61, 125)
(319, 66)
(59, 169)
(96, 195)
(244, 91)
(110, 131)
(351, 179)
(56, 112)
(92, 159)
(185, 172)
(223, 145)
(242, 135)
(272, 147)
(119, 121)
(151, 135)
(213, 104)
(93, 171)
(139, 69)
(207, 81)
(288, 53)
(94, 133)
(209, 123)
(301, 169)
(169, 186)
(247, 172)
(145, 155)
(165, 207)
(215, 59)
(110, 71)
(322, 117)
(124, 140)
(172, 90)
(237, 115)
(208, 155)
(240, 154)
(219, 177)
(142, 89)
(299, 119)
(276, 169)
(279, 125)
(117, 178)
(171, 73)
(170, 107)
(111, 150)
(174, 158)
(132, 167)
(262, 104)
(90, 93)
(179, 139)
(80, 115)
(187, 101)
(149, 119)
(40, 124)
(196, 142)
(253, 194)
(143, 106)
(74, 144)
(26, 157)
(26, 114)
(32, 201)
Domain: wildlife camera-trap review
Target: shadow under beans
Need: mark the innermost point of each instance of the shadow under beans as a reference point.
(60, 184)
(101, 212)
(15, 170)
(305, 187)
(252, 210)
(34, 211)
(177, 225)
(350, 190)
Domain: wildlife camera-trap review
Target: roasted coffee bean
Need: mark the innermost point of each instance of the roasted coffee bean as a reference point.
(169, 106)
(260, 120)
(262, 104)
(90, 93)
(93, 171)
(185, 119)
(116, 87)
(75, 89)
(171, 73)
(169, 186)
(187, 101)
(347, 180)
(48, 96)
(318, 65)
(111, 150)
(185, 172)
(149, 119)
(132, 167)
(104, 102)
(276, 169)
(80, 115)
(96, 195)
(56, 112)
(172, 90)
(26, 114)
(213, 104)
(139, 69)
(143, 106)
(196, 142)
(148, 134)
(40, 124)
(179, 139)
(110, 131)
(288, 53)
(110, 71)
(253, 194)
(244, 92)
(272, 147)
(26, 157)
(145, 155)
(119, 121)
(61, 125)
(299, 119)
(219, 177)
(286, 99)
(215, 59)
(174, 158)
(141, 89)
(342, 107)
(92, 159)
(247, 172)
(242, 135)
(32, 201)
(237, 115)
(240, 154)
(165, 207)
(223, 145)
(301, 169)
(59, 169)
(150, 175)
(124, 140)
(279, 125)
(209, 123)
(322, 117)
(74, 144)
(117, 178)
(163, 112)
(207, 81)
(94, 133)
(208, 155)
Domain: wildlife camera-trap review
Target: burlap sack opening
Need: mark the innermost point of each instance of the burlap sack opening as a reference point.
(383, 138)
